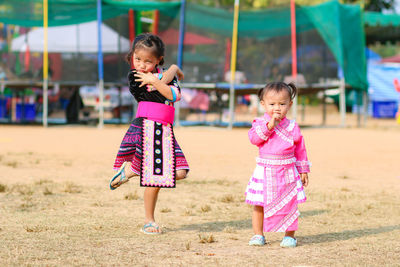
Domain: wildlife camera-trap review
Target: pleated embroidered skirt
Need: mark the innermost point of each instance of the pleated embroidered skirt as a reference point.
(154, 152)
(278, 189)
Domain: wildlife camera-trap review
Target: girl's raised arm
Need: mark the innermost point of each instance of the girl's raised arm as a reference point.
(259, 132)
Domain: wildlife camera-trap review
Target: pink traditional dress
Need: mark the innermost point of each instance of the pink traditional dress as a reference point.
(275, 183)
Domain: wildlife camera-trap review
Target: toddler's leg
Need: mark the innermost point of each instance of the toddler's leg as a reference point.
(290, 233)
(289, 241)
(258, 220)
(150, 201)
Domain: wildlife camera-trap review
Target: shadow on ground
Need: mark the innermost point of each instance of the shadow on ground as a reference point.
(346, 235)
(236, 225)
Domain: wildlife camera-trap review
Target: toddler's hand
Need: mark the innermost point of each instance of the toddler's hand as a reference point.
(145, 78)
(275, 119)
(304, 179)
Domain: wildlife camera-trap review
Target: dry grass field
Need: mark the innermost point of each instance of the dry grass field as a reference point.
(56, 208)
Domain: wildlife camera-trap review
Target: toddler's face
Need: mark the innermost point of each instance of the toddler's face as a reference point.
(277, 103)
(144, 60)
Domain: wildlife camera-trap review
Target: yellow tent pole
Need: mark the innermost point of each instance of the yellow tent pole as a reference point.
(233, 64)
(45, 62)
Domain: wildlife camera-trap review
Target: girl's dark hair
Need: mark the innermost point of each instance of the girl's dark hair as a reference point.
(147, 41)
(278, 87)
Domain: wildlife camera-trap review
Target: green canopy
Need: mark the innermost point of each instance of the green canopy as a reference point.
(339, 25)
(379, 19)
(29, 13)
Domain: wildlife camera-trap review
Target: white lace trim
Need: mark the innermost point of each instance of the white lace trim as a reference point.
(303, 163)
(260, 133)
(291, 125)
(284, 137)
(276, 161)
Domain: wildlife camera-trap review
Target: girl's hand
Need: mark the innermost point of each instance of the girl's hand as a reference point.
(275, 119)
(145, 78)
(180, 74)
(304, 179)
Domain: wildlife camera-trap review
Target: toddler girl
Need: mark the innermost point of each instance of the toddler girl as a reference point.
(276, 186)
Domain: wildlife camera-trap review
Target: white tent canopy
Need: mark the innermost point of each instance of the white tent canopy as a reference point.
(72, 38)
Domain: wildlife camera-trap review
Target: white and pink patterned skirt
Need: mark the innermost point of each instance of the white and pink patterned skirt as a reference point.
(277, 188)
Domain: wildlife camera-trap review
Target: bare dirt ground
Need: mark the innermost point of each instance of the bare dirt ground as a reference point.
(56, 208)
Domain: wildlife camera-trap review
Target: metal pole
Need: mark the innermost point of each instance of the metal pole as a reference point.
(45, 63)
(100, 66)
(342, 102)
(294, 52)
(233, 65)
(365, 108)
(180, 50)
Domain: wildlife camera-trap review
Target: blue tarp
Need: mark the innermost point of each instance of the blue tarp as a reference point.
(381, 81)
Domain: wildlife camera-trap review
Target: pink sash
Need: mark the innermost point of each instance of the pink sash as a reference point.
(156, 112)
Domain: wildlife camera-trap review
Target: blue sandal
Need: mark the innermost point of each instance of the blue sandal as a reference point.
(289, 242)
(153, 225)
(257, 240)
(121, 172)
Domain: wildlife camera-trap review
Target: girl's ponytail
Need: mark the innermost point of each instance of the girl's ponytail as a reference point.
(292, 90)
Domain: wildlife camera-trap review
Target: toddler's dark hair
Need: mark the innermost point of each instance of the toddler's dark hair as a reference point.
(278, 87)
(147, 41)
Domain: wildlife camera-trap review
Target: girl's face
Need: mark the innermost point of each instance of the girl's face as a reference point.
(276, 103)
(144, 60)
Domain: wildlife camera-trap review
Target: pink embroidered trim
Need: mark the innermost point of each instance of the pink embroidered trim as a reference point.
(254, 203)
(279, 203)
(148, 178)
(286, 137)
(288, 221)
(303, 166)
(260, 133)
(262, 161)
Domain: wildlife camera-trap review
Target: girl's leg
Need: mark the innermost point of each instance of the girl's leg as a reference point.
(290, 233)
(150, 200)
(258, 219)
(181, 174)
(128, 172)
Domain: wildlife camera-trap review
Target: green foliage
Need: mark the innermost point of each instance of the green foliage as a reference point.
(374, 5)
(385, 50)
